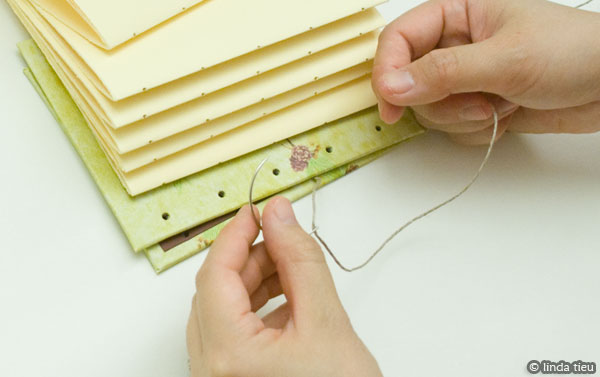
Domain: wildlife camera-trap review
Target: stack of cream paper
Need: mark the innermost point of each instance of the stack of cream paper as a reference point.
(172, 88)
(178, 220)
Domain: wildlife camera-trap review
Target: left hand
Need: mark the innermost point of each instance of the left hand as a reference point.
(455, 61)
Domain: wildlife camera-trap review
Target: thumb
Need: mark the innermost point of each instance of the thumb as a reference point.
(305, 278)
(442, 72)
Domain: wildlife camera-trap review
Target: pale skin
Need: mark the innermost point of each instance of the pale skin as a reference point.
(453, 61)
(310, 335)
(534, 61)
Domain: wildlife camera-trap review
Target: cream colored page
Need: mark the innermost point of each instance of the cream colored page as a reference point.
(73, 83)
(155, 151)
(57, 43)
(326, 107)
(175, 93)
(222, 102)
(342, 99)
(146, 104)
(163, 54)
(244, 94)
(68, 80)
(321, 109)
(312, 113)
(257, 88)
(199, 134)
(62, 10)
(108, 23)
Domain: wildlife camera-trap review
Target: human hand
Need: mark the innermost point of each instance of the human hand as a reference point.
(310, 335)
(535, 62)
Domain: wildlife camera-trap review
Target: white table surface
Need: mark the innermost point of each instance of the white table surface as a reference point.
(508, 274)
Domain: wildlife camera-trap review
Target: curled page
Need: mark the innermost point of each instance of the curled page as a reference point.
(109, 23)
(211, 33)
(141, 218)
(151, 102)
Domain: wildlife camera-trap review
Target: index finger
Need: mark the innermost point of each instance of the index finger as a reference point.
(409, 37)
(222, 300)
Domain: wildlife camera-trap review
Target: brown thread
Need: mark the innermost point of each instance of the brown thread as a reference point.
(584, 4)
(407, 224)
(399, 230)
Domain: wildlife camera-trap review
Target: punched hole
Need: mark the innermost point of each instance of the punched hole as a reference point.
(329, 149)
(165, 216)
(221, 194)
(276, 171)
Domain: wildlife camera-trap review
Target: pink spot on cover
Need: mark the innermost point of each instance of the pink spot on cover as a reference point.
(300, 158)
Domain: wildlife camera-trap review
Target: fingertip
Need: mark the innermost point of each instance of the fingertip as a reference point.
(252, 213)
(233, 242)
(398, 82)
(478, 112)
(390, 114)
(387, 88)
(485, 104)
(270, 207)
(483, 137)
(503, 107)
(284, 237)
(279, 211)
(245, 210)
(244, 221)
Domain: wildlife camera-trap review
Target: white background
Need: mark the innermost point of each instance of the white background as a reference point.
(507, 274)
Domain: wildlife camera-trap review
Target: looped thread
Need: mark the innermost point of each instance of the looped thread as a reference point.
(407, 224)
(318, 182)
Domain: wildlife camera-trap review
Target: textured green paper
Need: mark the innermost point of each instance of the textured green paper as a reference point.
(196, 200)
(162, 261)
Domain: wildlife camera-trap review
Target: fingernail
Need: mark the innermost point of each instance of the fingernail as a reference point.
(380, 108)
(391, 114)
(399, 82)
(284, 212)
(473, 113)
(504, 106)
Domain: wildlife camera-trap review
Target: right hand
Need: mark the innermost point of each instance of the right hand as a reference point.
(537, 63)
(310, 335)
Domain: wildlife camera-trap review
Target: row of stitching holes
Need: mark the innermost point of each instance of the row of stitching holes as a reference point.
(276, 172)
(221, 194)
